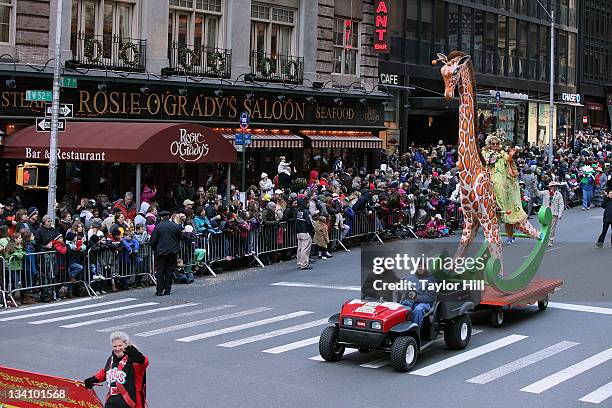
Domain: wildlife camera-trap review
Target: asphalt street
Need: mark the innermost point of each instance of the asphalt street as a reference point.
(248, 338)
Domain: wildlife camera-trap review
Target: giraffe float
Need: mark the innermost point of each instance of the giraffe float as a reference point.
(476, 189)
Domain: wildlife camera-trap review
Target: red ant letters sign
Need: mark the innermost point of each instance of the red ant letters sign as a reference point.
(381, 43)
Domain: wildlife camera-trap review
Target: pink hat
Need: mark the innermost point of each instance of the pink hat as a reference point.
(401, 191)
(435, 174)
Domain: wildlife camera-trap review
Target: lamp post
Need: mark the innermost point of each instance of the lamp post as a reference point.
(551, 113)
(55, 107)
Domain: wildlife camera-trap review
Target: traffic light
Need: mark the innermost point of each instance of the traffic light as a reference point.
(27, 176)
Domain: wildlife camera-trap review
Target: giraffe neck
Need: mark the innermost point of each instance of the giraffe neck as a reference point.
(469, 161)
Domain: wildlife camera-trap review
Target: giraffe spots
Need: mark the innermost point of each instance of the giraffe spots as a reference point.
(480, 190)
(464, 192)
(472, 196)
(468, 179)
(464, 125)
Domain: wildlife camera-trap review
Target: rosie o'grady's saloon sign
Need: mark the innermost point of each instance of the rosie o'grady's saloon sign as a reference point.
(125, 104)
(189, 147)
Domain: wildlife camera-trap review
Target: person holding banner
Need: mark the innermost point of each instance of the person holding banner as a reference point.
(125, 374)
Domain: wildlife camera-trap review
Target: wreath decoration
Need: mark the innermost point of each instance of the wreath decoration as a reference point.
(216, 62)
(125, 48)
(187, 58)
(94, 51)
(265, 66)
(292, 70)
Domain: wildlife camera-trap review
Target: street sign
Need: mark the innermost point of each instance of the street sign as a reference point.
(68, 82)
(66, 110)
(585, 119)
(244, 120)
(498, 96)
(36, 95)
(239, 148)
(44, 125)
(242, 138)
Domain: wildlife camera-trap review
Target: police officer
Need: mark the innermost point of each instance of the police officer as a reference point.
(165, 241)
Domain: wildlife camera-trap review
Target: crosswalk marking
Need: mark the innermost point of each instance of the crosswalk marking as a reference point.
(467, 355)
(162, 319)
(599, 395)
(124, 316)
(244, 326)
(45, 306)
(202, 322)
(316, 285)
(522, 362)
(581, 308)
(292, 346)
(69, 309)
(274, 333)
(381, 362)
(93, 313)
(319, 358)
(568, 373)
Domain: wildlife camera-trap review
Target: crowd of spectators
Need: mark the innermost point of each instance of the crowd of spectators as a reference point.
(420, 183)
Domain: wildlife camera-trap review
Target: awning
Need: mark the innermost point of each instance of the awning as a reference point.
(123, 142)
(271, 140)
(344, 142)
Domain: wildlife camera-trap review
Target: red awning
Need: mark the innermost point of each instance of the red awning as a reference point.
(271, 140)
(124, 142)
(344, 141)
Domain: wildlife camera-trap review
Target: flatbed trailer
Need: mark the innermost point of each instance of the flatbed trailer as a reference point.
(537, 291)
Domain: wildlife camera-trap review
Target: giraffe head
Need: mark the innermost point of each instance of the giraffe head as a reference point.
(451, 70)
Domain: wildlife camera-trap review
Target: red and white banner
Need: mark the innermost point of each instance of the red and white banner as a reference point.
(24, 389)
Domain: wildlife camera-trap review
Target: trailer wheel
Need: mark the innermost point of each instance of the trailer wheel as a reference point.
(496, 318)
(543, 304)
(457, 333)
(329, 348)
(404, 351)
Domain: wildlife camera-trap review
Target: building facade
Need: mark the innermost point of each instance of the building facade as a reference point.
(509, 42)
(595, 62)
(304, 71)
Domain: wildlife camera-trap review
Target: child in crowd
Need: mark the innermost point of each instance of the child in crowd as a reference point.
(14, 253)
(321, 237)
(95, 264)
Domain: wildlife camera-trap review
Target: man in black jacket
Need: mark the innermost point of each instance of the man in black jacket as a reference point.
(607, 219)
(165, 241)
(305, 231)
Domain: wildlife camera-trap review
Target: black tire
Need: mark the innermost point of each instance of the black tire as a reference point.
(404, 351)
(543, 304)
(496, 318)
(364, 350)
(329, 348)
(457, 333)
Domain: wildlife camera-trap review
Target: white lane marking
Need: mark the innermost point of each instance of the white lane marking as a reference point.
(124, 316)
(599, 395)
(596, 217)
(202, 322)
(69, 309)
(319, 358)
(95, 312)
(522, 362)
(548, 250)
(316, 285)
(162, 319)
(274, 333)
(381, 362)
(580, 308)
(568, 373)
(244, 326)
(468, 355)
(27, 309)
(292, 346)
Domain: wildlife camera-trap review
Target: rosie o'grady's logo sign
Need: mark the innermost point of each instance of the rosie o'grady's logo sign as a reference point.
(190, 147)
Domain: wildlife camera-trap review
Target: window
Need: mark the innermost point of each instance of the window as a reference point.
(346, 46)
(426, 30)
(453, 27)
(412, 17)
(272, 30)
(479, 36)
(533, 51)
(571, 64)
(466, 30)
(561, 60)
(6, 17)
(512, 49)
(441, 24)
(194, 24)
(544, 51)
(501, 46)
(491, 44)
(522, 48)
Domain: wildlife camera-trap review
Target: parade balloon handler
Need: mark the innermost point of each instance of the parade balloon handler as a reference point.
(125, 374)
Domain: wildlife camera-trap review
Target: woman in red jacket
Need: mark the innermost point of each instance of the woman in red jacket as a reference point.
(125, 374)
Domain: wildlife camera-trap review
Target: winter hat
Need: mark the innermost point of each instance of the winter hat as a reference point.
(293, 196)
(267, 197)
(144, 207)
(271, 206)
(32, 211)
(264, 175)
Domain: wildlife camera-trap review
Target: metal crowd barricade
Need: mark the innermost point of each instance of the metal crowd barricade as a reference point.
(40, 270)
(364, 223)
(4, 282)
(276, 238)
(115, 262)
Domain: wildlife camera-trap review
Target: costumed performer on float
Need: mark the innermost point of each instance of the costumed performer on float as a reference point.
(504, 175)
